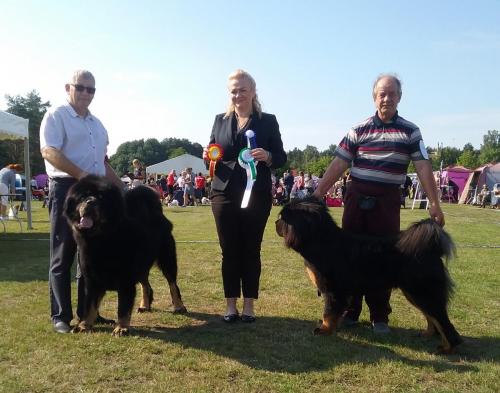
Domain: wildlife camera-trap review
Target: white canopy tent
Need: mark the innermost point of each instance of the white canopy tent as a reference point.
(178, 163)
(15, 127)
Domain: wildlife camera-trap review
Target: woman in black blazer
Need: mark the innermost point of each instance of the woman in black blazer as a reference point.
(240, 230)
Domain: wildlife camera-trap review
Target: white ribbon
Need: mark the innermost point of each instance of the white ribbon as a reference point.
(247, 162)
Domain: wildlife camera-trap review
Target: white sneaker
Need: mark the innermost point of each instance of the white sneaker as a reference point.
(61, 327)
(380, 328)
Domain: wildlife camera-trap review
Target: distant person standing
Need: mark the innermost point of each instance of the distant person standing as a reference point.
(288, 181)
(7, 185)
(188, 187)
(199, 186)
(73, 143)
(379, 150)
(139, 173)
(171, 180)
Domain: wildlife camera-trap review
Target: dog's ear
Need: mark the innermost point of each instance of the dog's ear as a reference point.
(69, 208)
(306, 221)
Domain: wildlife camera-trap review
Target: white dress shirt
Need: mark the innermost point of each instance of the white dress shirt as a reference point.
(83, 140)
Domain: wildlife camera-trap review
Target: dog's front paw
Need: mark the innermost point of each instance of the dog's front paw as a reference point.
(144, 309)
(120, 331)
(322, 330)
(82, 328)
(180, 310)
(428, 333)
(445, 350)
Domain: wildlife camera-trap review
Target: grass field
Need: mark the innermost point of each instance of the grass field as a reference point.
(197, 352)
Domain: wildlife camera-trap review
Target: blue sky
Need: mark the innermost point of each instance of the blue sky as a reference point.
(161, 66)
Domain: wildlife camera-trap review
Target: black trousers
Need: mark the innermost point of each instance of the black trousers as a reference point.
(240, 234)
(62, 255)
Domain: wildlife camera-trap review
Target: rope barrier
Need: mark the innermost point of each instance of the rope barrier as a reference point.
(265, 241)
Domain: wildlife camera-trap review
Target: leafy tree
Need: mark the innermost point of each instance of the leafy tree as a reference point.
(311, 154)
(490, 149)
(318, 166)
(295, 159)
(151, 151)
(469, 157)
(178, 151)
(447, 155)
(468, 146)
(329, 152)
(194, 149)
(32, 108)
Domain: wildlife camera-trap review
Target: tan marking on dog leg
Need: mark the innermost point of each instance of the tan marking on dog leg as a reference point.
(312, 276)
(445, 346)
(122, 328)
(85, 326)
(431, 329)
(179, 307)
(330, 320)
(146, 299)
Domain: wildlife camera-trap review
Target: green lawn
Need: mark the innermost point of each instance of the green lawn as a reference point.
(197, 352)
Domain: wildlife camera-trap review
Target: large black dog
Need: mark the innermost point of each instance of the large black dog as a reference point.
(119, 239)
(342, 264)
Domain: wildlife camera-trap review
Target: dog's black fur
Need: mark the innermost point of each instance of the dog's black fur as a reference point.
(119, 239)
(342, 264)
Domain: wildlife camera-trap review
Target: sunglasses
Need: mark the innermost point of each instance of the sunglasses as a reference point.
(81, 88)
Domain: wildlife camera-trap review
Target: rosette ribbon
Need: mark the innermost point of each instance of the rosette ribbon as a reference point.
(215, 153)
(247, 162)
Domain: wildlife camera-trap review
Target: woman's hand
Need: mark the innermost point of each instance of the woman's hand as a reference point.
(260, 154)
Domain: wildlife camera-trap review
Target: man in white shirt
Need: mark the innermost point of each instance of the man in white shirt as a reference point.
(73, 143)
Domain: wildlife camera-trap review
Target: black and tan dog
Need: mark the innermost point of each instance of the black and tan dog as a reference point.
(119, 239)
(341, 264)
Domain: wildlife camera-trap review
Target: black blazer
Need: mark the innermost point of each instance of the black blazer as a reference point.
(268, 137)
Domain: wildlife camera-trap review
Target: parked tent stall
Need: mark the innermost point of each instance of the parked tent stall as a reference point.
(488, 174)
(453, 181)
(14, 127)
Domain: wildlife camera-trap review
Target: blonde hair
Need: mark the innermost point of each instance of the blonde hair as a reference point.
(241, 74)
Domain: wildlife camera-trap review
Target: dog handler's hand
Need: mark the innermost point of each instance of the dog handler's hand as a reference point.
(436, 213)
(260, 154)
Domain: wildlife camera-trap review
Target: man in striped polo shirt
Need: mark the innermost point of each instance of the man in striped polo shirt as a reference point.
(378, 150)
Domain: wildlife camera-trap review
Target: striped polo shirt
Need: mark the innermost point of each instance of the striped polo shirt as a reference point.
(380, 152)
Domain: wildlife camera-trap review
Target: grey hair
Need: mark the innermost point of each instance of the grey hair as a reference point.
(241, 74)
(82, 74)
(394, 77)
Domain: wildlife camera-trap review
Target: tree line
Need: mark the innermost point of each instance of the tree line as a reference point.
(152, 151)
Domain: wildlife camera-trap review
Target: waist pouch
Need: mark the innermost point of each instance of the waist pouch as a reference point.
(366, 202)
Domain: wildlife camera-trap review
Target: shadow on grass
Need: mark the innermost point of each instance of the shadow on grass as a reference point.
(24, 257)
(280, 344)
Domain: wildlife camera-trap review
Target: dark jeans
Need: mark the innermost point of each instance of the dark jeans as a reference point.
(382, 219)
(240, 234)
(62, 254)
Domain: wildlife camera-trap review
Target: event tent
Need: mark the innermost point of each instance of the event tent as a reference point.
(15, 127)
(455, 176)
(178, 163)
(488, 174)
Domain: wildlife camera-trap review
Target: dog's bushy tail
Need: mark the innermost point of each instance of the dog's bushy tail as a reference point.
(143, 203)
(426, 237)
